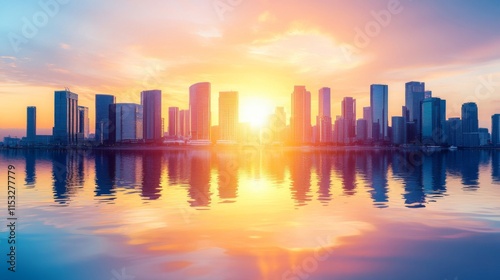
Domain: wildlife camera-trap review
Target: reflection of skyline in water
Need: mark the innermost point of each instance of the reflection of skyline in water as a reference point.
(309, 175)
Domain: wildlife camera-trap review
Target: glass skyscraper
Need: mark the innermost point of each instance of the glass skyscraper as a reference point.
(173, 122)
(414, 95)
(379, 110)
(200, 110)
(470, 125)
(324, 118)
(83, 122)
(65, 129)
(31, 124)
(127, 121)
(102, 123)
(433, 121)
(300, 120)
(349, 119)
(228, 115)
(151, 103)
(495, 129)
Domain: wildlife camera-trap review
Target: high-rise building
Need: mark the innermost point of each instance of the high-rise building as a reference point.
(361, 130)
(470, 125)
(127, 120)
(184, 123)
(454, 132)
(228, 116)
(433, 121)
(152, 126)
(199, 108)
(414, 95)
(83, 122)
(495, 129)
(102, 123)
(300, 120)
(65, 131)
(31, 124)
(398, 126)
(484, 136)
(379, 107)
(173, 122)
(367, 115)
(349, 117)
(324, 118)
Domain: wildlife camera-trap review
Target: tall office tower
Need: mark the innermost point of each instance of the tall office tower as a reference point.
(127, 120)
(185, 123)
(199, 107)
(228, 115)
(338, 130)
(300, 120)
(324, 118)
(484, 136)
(414, 95)
(31, 124)
(152, 126)
(427, 94)
(173, 122)
(102, 123)
(379, 107)
(495, 129)
(398, 126)
(367, 115)
(361, 130)
(454, 132)
(83, 122)
(65, 129)
(349, 116)
(433, 121)
(470, 125)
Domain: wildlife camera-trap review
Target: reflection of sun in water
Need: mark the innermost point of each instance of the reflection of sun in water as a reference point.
(255, 110)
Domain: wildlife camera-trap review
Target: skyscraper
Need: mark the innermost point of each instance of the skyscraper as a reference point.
(433, 121)
(102, 123)
(454, 132)
(414, 95)
(470, 125)
(228, 115)
(495, 129)
(65, 129)
(349, 117)
(398, 126)
(379, 108)
(173, 122)
(324, 118)
(127, 120)
(152, 126)
(199, 107)
(367, 115)
(300, 120)
(83, 122)
(184, 123)
(31, 124)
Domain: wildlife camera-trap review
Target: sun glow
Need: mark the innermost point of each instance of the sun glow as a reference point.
(255, 111)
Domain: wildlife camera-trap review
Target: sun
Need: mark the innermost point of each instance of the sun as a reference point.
(255, 111)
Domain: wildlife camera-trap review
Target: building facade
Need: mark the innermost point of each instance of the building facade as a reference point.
(153, 122)
(200, 111)
(102, 122)
(379, 111)
(65, 130)
(228, 116)
(127, 120)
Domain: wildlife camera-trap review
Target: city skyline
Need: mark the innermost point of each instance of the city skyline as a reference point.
(257, 48)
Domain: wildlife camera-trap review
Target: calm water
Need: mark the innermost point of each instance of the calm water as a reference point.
(254, 215)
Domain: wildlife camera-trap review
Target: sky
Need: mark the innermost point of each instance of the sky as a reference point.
(260, 48)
